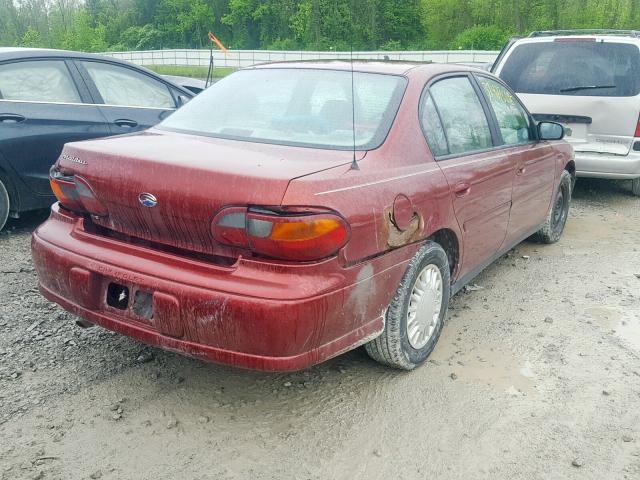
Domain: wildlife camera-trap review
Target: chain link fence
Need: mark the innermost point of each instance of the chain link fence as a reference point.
(246, 58)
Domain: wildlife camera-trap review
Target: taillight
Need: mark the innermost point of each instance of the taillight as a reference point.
(88, 198)
(64, 188)
(75, 193)
(575, 39)
(298, 236)
(637, 133)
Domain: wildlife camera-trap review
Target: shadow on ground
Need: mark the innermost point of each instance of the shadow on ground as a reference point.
(601, 189)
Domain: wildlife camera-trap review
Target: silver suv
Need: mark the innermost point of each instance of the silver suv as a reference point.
(588, 80)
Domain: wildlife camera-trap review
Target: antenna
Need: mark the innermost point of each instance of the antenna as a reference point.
(218, 43)
(210, 71)
(354, 162)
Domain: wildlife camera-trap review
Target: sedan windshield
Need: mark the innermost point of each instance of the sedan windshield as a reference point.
(303, 107)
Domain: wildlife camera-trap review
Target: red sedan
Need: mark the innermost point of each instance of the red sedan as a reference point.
(292, 212)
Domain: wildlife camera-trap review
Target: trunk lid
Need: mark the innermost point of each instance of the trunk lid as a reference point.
(191, 177)
(593, 124)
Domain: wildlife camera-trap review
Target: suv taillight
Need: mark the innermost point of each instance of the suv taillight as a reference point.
(637, 133)
(75, 194)
(298, 236)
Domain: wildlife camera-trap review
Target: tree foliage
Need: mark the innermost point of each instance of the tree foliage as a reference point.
(98, 25)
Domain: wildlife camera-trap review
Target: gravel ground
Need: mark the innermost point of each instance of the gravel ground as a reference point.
(536, 376)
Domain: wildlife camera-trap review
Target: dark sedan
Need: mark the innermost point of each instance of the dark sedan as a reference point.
(51, 97)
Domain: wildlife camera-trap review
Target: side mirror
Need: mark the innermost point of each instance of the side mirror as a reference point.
(182, 99)
(550, 131)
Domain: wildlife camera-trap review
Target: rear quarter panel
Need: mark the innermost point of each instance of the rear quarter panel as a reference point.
(564, 157)
(402, 170)
(376, 256)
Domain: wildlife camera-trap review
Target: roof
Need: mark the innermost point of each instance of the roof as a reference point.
(21, 53)
(584, 31)
(577, 37)
(11, 53)
(384, 67)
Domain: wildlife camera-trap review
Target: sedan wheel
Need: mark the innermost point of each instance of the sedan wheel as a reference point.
(416, 315)
(423, 313)
(553, 226)
(4, 205)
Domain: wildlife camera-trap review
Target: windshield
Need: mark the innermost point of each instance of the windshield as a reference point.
(295, 107)
(576, 67)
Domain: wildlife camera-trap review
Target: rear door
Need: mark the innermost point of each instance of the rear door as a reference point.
(42, 107)
(130, 99)
(535, 173)
(464, 142)
(590, 85)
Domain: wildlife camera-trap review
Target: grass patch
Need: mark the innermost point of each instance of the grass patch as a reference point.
(190, 71)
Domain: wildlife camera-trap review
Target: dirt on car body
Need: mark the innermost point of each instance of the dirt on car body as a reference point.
(537, 375)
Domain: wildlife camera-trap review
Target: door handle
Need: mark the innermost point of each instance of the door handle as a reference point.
(462, 189)
(11, 118)
(124, 122)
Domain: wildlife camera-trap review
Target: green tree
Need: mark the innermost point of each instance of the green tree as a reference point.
(196, 22)
(83, 36)
(480, 38)
(31, 38)
(96, 25)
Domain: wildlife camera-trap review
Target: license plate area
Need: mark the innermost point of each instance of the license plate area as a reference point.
(118, 296)
(123, 298)
(143, 304)
(158, 310)
(576, 131)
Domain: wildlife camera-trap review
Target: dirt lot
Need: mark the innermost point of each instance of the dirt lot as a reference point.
(537, 376)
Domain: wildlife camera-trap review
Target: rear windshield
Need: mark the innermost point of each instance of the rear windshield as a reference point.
(302, 107)
(574, 67)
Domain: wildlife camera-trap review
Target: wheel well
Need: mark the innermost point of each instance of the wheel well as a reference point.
(448, 240)
(571, 168)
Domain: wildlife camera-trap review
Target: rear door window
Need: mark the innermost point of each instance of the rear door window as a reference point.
(513, 120)
(576, 67)
(463, 118)
(432, 127)
(38, 81)
(124, 86)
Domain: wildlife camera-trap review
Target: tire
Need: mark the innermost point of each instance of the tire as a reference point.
(395, 347)
(635, 186)
(4, 205)
(553, 226)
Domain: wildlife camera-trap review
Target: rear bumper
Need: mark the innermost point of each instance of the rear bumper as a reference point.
(251, 315)
(218, 354)
(598, 165)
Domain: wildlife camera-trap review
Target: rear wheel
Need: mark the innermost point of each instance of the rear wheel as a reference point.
(556, 219)
(416, 315)
(4, 205)
(635, 186)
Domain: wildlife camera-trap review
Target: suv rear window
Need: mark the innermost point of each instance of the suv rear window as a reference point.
(575, 67)
(303, 107)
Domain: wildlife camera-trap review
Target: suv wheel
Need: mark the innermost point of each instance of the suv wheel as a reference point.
(4, 205)
(553, 226)
(635, 186)
(416, 315)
